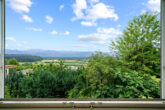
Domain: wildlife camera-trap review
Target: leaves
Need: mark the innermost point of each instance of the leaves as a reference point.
(139, 46)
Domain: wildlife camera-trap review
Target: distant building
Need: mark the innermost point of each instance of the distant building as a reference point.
(25, 71)
(7, 67)
(73, 67)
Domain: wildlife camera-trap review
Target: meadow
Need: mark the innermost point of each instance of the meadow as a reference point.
(67, 62)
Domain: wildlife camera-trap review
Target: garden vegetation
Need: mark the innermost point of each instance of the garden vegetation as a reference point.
(133, 71)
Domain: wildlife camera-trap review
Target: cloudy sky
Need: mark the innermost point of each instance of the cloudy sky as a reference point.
(71, 25)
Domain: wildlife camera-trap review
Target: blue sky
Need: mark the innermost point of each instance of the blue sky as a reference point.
(70, 25)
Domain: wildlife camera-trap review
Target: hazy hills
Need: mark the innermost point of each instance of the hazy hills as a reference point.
(50, 53)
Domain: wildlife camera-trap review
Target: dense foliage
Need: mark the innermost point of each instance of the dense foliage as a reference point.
(23, 58)
(12, 82)
(12, 61)
(106, 77)
(46, 81)
(139, 45)
(134, 71)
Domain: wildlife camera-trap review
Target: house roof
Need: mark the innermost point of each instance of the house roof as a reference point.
(10, 66)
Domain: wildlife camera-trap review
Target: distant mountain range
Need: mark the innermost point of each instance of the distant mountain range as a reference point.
(50, 53)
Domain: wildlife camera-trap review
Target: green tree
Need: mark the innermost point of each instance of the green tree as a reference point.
(40, 84)
(12, 61)
(48, 81)
(139, 45)
(107, 77)
(7, 92)
(132, 84)
(12, 82)
(96, 80)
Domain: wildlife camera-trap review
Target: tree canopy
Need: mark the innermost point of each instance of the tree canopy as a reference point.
(12, 61)
(139, 45)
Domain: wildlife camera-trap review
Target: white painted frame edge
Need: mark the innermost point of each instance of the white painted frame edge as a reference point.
(163, 49)
(2, 49)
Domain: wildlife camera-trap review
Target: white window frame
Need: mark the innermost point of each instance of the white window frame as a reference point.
(82, 103)
(2, 49)
(163, 49)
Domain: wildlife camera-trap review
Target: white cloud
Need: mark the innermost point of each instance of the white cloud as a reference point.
(49, 19)
(67, 33)
(54, 32)
(95, 38)
(78, 8)
(61, 7)
(102, 36)
(10, 39)
(27, 18)
(35, 29)
(88, 23)
(20, 5)
(101, 11)
(110, 31)
(153, 5)
(93, 11)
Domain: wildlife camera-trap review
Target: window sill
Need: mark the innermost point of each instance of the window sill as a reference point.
(81, 103)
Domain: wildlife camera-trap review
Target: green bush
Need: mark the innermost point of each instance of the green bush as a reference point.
(106, 77)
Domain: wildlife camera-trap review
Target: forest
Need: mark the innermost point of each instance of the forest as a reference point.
(23, 57)
(133, 71)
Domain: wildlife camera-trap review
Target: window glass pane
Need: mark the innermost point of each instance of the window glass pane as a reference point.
(82, 49)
